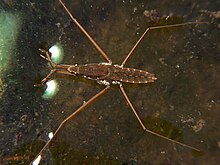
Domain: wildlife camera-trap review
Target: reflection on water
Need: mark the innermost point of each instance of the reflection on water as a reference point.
(10, 25)
(182, 104)
(56, 53)
(51, 89)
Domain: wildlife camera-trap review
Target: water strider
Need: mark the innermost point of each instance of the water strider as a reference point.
(106, 74)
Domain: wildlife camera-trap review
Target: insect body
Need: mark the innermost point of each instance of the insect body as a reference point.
(112, 73)
(107, 74)
(103, 73)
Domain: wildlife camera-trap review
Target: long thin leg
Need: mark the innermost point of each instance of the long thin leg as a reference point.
(86, 34)
(152, 28)
(47, 78)
(149, 131)
(47, 57)
(69, 117)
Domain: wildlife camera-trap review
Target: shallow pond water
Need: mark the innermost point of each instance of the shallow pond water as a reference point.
(182, 104)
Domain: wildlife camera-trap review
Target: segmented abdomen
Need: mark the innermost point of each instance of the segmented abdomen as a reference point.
(130, 75)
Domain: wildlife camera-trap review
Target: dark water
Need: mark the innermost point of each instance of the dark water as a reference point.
(182, 104)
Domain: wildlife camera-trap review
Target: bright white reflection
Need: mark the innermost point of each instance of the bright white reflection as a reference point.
(50, 135)
(37, 161)
(51, 90)
(56, 53)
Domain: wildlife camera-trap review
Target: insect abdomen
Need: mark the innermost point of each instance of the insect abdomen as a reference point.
(130, 75)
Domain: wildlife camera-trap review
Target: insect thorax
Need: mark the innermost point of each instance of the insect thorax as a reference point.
(74, 69)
